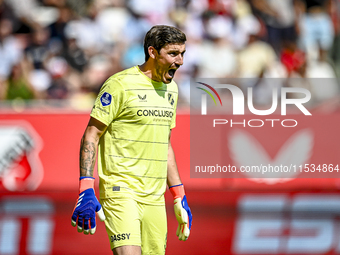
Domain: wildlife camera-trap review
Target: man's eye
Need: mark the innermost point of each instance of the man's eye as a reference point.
(172, 54)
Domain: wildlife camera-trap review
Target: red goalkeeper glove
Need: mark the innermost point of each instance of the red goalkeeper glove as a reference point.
(182, 212)
(84, 213)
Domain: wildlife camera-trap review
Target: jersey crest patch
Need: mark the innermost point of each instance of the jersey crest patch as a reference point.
(171, 99)
(106, 99)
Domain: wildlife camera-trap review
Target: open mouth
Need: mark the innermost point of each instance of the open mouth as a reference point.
(172, 73)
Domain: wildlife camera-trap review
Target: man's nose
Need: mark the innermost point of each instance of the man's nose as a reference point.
(179, 60)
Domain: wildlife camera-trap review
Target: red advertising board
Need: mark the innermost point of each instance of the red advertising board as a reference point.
(39, 184)
(235, 223)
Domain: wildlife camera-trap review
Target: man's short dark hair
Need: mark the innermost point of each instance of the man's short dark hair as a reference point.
(159, 36)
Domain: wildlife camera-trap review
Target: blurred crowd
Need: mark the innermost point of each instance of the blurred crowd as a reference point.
(66, 49)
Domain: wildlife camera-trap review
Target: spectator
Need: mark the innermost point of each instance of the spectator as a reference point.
(37, 53)
(80, 7)
(316, 27)
(97, 71)
(24, 12)
(74, 55)
(256, 58)
(335, 16)
(57, 28)
(292, 58)
(136, 27)
(217, 56)
(154, 13)
(318, 76)
(256, 61)
(279, 17)
(59, 88)
(10, 51)
(57, 3)
(6, 13)
(88, 32)
(18, 85)
(322, 76)
(244, 25)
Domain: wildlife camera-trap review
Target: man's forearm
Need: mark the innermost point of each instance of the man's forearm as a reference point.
(88, 147)
(173, 175)
(87, 157)
(182, 210)
(87, 204)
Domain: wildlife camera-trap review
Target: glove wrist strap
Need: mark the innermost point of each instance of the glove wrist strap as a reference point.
(86, 183)
(177, 191)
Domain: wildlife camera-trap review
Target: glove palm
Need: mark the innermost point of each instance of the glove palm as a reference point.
(182, 212)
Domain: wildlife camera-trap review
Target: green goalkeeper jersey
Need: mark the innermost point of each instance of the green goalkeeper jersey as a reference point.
(132, 153)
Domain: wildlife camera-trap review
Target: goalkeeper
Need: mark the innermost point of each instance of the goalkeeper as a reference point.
(130, 129)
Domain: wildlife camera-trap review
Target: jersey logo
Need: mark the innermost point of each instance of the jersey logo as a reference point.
(142, 98)
(105, 99)
(171, 99)
(116, 188)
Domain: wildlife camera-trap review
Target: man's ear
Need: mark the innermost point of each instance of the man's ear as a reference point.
(152, 52)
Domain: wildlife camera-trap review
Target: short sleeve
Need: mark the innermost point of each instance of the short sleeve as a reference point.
(110, 102)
